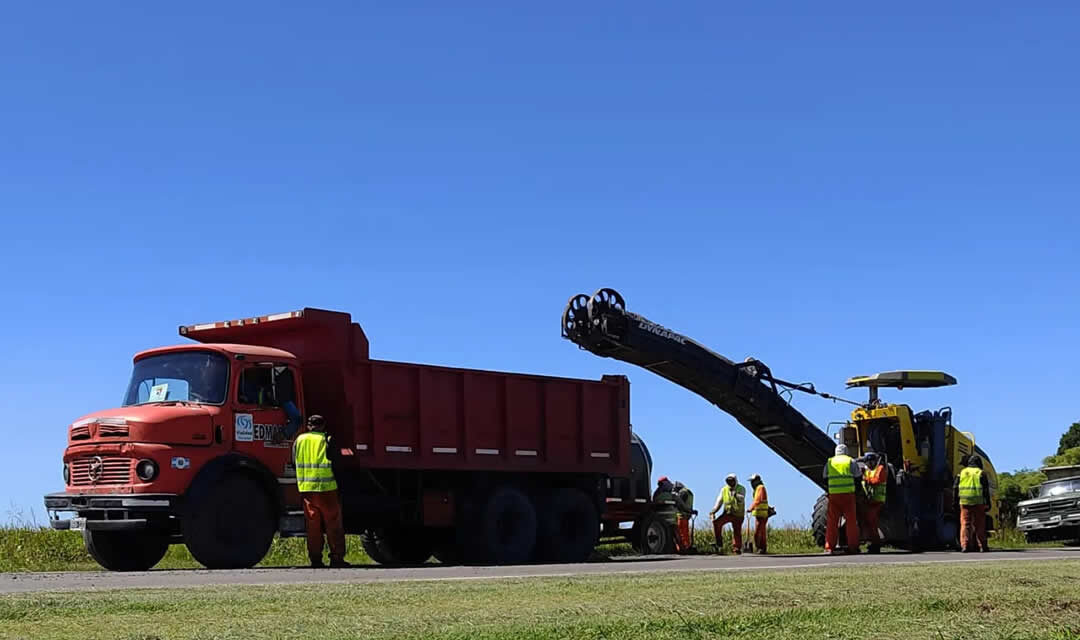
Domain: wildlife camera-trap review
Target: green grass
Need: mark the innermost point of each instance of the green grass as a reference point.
(996, 600)
(28, 548)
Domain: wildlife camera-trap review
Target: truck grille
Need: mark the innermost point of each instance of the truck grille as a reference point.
(112, 431)
(1047, 507)
(81, 432)
(112, 471)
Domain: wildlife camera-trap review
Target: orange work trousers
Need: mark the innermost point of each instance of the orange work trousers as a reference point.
(973, 526)
(682, 534)
(842, 504)
(322, 514)
(736, 524)
(761, 533)
(873, 517)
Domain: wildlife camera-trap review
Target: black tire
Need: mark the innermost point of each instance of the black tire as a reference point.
(820, 520)
(655, 535)
(569, 527)
(397, 547)
(232, 526)
(499, 528)
(125, 550)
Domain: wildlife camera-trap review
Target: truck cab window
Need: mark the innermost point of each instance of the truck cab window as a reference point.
(271, 386)
(190, 376)
(257, 387)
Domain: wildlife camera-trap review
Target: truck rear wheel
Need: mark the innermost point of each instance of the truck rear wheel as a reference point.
(500, 528)
(397, 546)
(568, 527)
(232, 526)
(125, 550)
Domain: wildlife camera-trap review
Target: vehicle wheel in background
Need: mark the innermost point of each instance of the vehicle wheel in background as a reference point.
(568, 527)
(820, 520)
(125, 550)
(231, 527)
(654, 535)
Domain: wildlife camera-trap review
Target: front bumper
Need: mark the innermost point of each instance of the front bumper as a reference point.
(1050, 522)
(126, 512)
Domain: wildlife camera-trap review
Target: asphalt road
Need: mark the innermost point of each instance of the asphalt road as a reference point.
(102, 580)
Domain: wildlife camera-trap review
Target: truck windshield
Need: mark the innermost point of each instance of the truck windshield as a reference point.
(1059, 487)
(191, 376)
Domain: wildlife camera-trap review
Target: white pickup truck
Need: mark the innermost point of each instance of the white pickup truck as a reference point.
(1053, 511)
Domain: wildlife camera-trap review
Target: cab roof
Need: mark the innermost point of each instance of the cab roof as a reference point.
(246, 350)
(901, 379)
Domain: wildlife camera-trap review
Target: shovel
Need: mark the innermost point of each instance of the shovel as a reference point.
(748, 542)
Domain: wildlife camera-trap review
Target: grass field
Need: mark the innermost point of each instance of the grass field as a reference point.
(1017, 600)
(26, 548)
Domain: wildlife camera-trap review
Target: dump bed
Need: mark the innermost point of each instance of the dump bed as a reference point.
(412, 416)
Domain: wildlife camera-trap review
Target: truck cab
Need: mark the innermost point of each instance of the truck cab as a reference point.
(191, 416)
(1053, 511)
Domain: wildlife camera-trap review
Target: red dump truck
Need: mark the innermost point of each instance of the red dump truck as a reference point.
(466, 465)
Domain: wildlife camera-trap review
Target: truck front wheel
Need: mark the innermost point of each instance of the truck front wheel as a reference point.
(125, 550)
(232, 526)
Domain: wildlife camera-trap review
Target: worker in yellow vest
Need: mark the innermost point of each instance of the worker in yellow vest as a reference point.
(759, 509)
(730, 503)
(841, 473)
(318, 491)
(971, 492)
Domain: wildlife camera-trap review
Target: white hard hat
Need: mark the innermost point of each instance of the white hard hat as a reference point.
(841, 450)
(731, 476)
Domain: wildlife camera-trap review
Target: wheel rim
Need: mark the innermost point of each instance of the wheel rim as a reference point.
(655, 537)
(603, 301)
(576, 315)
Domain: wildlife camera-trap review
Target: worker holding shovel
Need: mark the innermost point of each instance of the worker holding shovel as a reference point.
(730, 503)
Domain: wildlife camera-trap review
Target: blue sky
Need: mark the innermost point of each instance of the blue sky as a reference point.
(834, 190)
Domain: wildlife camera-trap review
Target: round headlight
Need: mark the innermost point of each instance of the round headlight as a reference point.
(147, 470)
(67, 474)
(1023, 511)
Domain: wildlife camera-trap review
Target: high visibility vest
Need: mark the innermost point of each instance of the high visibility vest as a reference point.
(840, 480)
(762, 508)
(876, 491)
(971, 486)
(313, 470)
(733, 504)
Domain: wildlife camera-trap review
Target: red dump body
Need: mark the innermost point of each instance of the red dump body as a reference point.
(412, 416)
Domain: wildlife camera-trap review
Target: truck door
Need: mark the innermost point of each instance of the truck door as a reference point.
(267, 418)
